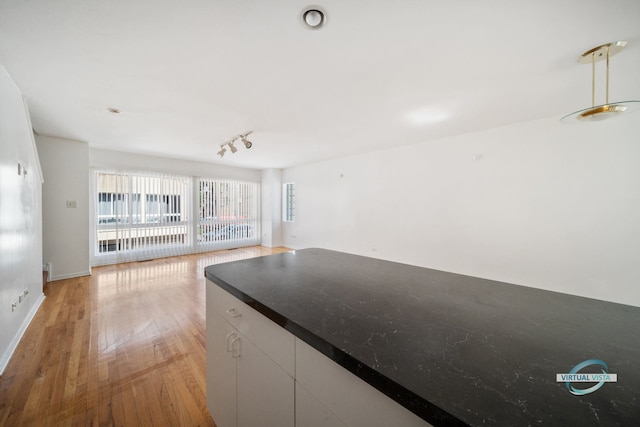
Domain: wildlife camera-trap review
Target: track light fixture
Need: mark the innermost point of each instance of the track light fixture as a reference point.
(242, 137)
(232, 147)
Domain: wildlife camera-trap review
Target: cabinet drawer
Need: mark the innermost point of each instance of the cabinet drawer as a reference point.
(269, 337)
(354, 401)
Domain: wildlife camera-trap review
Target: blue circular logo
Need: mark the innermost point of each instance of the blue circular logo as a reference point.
(580, 366)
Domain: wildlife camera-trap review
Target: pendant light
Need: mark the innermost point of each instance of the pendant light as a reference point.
(606, 110)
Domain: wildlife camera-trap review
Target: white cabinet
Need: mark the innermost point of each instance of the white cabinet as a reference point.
(310, 412)
(260, 375)
(350, 399)
(221, 371)
(265, 391)
(246, 385)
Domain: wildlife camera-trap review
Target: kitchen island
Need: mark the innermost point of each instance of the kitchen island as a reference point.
(451, 349)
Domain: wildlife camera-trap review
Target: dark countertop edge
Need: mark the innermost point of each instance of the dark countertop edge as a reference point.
(408, 399)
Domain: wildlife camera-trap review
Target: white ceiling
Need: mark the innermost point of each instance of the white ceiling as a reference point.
(190, 75)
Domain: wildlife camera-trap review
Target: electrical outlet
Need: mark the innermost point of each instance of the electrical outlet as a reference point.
(72, 204)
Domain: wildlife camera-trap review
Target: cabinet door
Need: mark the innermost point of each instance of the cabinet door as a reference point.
(272, 339)
(265, 390)
(310, 412)
(355, 402)
(221, 370)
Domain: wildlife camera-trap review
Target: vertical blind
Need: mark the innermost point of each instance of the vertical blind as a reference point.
(149, 215)
(229, 211)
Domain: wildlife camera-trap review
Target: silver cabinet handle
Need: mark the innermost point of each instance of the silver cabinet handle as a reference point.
(235, 347)
(230, 337)
(233, 312)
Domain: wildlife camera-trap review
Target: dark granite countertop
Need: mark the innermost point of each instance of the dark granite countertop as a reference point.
(454, 349)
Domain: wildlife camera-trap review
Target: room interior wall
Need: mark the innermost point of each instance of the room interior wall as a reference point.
(540, 204)
(107, 159)
(65, 164)
(271, 207)
(20, 220)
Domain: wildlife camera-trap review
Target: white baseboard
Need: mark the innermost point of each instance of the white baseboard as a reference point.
(4, 360)
(70, 275)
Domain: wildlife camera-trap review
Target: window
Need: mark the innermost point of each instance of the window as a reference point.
(141, 215)
(107, 208)
(170, 208)
(229, 211)
(146, 215)
(289, 202)
(152, 211)
(118, 207)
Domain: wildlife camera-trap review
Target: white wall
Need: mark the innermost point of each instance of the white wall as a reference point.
(271, 207)
(20, 220)
(65, 164)
(541, 204)
(67, 168)
(138, 162)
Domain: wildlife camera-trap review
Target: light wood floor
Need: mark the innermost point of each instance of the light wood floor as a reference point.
(123, 347)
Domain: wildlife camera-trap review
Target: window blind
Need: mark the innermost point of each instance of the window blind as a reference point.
(143, 215)
(229, 213)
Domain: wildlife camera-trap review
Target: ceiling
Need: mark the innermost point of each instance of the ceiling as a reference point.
(188, 76)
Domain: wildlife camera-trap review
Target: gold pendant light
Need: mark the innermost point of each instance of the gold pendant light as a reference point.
(606, 110)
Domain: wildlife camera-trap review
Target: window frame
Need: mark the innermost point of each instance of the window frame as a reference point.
(289, 202)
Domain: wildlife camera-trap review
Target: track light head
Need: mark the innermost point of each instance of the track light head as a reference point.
(232, 147)
(222, 151)
(248, 144)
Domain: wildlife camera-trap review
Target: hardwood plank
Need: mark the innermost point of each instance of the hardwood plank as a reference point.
(124, 346)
